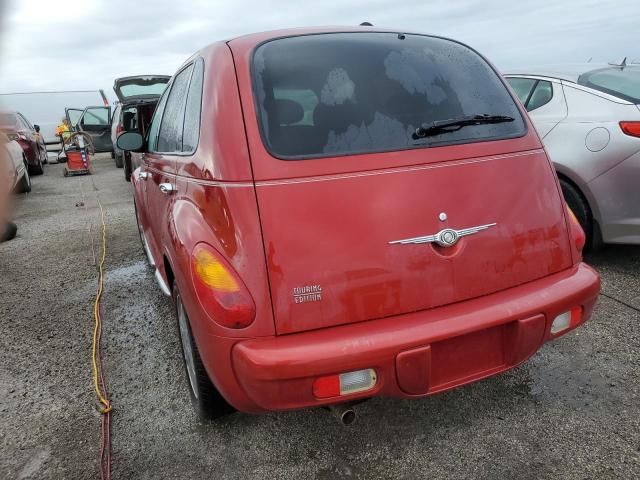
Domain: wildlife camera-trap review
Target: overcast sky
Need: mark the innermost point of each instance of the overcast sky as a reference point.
(52, 45)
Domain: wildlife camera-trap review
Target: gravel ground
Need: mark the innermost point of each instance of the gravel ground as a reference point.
(572, 411)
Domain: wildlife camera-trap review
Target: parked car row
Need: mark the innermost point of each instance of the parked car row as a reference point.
(16, 127)
(345, 214)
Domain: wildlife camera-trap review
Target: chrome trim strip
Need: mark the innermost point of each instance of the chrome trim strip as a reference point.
(269, 183)
(163, 286)
(447, 237)
(147, 250)
(341, 176)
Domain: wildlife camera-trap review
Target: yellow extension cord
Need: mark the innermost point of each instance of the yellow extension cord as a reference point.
(96, 313)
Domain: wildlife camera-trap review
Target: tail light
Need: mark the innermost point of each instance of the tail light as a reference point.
(220, 290)
(631, 128)
(579, 236)
(119, 129)
(344, 383)
(566, 320)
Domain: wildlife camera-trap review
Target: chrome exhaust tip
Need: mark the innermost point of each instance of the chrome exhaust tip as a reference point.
(345, 413)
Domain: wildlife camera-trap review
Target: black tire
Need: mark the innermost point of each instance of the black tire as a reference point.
(127, 167)
(113, 154)
(37, 170)
(25, 182)
(206, 399)
(8, 232)
(580, 208)
(119, 160)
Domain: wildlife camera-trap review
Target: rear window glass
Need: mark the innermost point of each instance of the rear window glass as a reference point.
(620, 82)
(144, 88)
(347, 93)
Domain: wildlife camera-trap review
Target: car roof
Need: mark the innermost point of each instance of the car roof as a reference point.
(249, 41)
(569, 72)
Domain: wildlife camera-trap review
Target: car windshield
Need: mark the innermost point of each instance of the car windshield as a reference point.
(144, 88)
(623, 83)
(345, 93)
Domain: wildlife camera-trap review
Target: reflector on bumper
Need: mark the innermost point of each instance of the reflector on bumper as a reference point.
(344, 383)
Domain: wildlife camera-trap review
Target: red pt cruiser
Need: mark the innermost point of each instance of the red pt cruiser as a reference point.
(343, 214)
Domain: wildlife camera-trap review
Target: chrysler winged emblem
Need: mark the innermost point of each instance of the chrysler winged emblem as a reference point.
(447, 237)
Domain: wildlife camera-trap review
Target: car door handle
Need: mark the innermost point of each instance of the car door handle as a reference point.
(166, 188)
(143, 175)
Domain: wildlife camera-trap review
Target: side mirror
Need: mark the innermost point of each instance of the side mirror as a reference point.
(130, 142)
(36, 128)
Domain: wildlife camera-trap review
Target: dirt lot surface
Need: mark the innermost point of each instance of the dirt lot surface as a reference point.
(571, 412)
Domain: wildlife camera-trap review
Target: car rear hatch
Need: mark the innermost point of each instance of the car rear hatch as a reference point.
(141, 87)
(347, 196)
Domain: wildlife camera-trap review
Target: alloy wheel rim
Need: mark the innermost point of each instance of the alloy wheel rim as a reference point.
(187, 349)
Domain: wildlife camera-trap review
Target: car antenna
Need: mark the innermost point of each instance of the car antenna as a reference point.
(622, 63)
(366, 24)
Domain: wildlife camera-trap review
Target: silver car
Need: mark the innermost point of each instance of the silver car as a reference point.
(589, 121)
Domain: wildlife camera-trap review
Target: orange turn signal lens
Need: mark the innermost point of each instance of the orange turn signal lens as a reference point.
(213, 273)
(579, 236)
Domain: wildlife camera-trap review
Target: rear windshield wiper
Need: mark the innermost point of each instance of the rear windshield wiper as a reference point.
(455, 124)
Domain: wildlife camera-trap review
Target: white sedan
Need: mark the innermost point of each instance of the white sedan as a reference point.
(589, 121)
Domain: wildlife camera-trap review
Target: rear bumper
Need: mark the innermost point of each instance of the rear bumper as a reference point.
(414, 355)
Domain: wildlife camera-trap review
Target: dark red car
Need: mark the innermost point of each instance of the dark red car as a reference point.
(346, 214)
(18, 128)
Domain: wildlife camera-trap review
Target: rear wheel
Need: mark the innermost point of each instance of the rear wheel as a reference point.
(118, 159)
(37, 169)
(581, 210)
(206, 399)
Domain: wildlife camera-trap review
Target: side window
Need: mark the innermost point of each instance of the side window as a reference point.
(25, 123)
(522, 87)
(170, 137)
(154, 128)
(97, 116)
(191, 131)
(542, 95)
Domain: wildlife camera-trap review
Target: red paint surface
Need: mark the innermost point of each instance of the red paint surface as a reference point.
(427, 319)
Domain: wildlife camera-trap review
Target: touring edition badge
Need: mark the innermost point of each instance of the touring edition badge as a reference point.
(308, 293)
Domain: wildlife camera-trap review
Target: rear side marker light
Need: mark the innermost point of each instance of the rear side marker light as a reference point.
(566, 320)
(344, 383)
(631, 128)
(579, 236)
